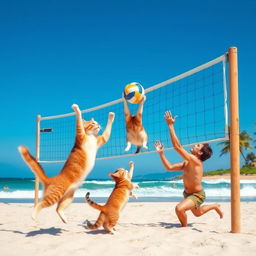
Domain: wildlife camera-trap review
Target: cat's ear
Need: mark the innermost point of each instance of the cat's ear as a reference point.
(112, 175)
(92, 120)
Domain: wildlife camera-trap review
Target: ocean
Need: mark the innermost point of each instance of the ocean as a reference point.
(22, 190)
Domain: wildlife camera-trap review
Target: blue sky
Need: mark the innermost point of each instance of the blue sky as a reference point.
(56, 53)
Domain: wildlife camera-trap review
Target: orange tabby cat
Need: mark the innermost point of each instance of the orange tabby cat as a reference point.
(79, 164)
(110, 212)
(135, 132)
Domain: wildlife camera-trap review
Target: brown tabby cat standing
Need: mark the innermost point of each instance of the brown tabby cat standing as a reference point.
(79, 164)
(110, 212)
(135, 132)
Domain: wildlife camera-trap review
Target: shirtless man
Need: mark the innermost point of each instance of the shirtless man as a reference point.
(192, 167)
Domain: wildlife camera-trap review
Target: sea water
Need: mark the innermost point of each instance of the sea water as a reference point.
(22, 190)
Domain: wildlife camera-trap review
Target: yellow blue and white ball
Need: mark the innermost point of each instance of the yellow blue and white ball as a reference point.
(134, 92)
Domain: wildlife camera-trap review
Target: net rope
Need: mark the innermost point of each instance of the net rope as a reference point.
(198, 97)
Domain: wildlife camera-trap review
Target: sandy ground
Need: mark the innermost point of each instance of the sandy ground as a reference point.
(143, 229)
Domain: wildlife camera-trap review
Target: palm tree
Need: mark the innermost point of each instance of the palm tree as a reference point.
(250, 159)
(254, 140)
(244, 143)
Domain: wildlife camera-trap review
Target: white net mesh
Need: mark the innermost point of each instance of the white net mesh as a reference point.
(198, 97)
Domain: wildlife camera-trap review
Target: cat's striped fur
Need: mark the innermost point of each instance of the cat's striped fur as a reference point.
(60, 189)
(110, 212)
(135, 132)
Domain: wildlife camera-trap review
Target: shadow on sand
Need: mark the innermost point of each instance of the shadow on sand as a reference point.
(42, 231)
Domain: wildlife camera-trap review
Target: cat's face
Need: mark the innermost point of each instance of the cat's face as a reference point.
(119, 174)
(91, 127)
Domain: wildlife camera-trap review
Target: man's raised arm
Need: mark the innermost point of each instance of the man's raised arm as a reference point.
(170, 167)
(175, 141)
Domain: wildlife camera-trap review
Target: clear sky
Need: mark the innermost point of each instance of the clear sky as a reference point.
(56, 53)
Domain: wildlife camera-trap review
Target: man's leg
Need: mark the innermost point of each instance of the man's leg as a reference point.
(181, 208)
(206, 208)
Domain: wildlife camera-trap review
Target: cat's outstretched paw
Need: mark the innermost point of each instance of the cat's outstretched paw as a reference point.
(128, 146)
(144, 99)
(135, 185)
(123, 98)
(62, 216)
(111, 231)
(75, 108)
(131, 163)
(111, 116)
(134, 197)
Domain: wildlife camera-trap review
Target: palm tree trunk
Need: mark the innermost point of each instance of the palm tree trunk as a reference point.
(243, 156)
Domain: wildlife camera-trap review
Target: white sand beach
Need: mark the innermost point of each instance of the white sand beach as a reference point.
(227, 176)
(143, 229)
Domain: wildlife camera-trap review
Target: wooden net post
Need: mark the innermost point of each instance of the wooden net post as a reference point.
(234, 141)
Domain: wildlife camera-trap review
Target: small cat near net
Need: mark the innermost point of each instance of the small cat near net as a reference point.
(110, 212)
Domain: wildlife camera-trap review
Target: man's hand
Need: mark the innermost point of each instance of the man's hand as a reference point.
(159, 147)
(168, 118)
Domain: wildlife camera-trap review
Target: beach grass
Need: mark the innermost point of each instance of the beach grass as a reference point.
(243, 171)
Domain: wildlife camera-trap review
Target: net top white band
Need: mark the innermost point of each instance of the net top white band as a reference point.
(152, 88)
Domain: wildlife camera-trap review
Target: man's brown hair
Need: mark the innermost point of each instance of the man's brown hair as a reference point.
(207, 152)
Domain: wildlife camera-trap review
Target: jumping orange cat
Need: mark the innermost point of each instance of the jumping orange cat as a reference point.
(79, 164)
(135, 132)
(110, 212)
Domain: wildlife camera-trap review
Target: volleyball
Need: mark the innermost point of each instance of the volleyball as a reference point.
(134, 92)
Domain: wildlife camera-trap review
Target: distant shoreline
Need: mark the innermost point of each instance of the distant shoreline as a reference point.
(227, 176)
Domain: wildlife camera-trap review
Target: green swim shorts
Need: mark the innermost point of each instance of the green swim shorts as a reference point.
(198, 198)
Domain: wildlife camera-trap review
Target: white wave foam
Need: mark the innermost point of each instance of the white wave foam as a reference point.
(175, 181)
(215, 182)
(161, 191)
(247, 181)
(19, 194)
(165, 191)
(99, 182)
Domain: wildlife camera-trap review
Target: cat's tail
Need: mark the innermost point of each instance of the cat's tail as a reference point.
(92, 204)
(33, 164)
(138, 149)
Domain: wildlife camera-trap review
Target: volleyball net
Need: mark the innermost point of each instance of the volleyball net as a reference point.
(198, 97)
